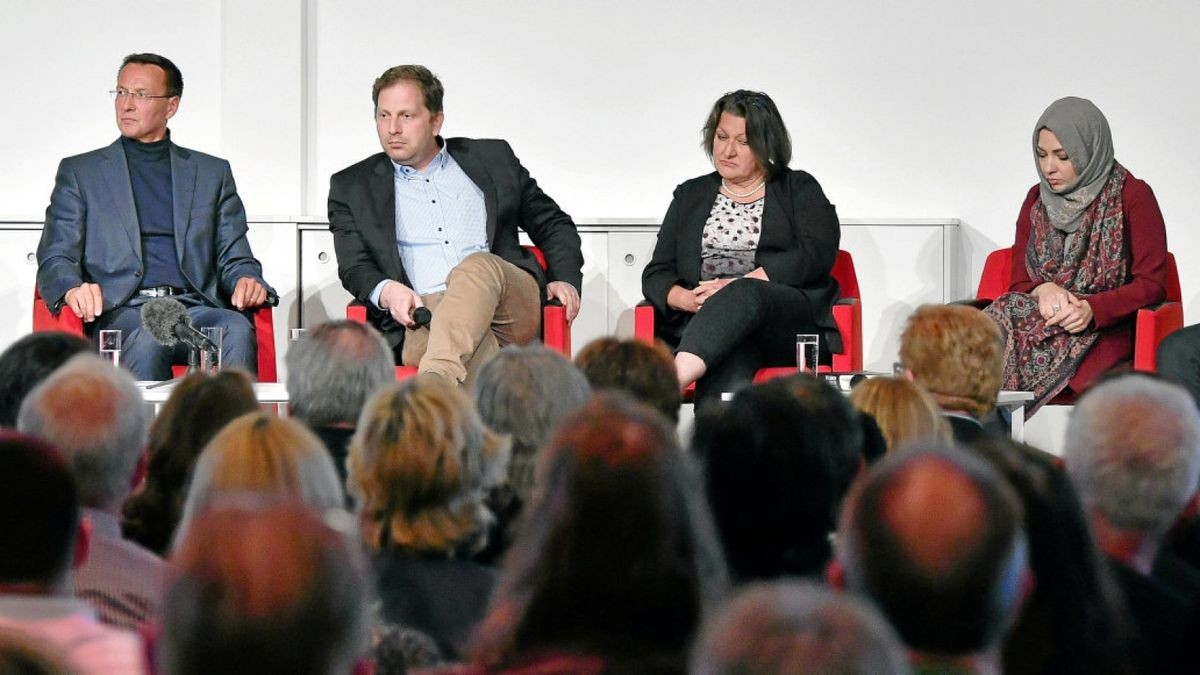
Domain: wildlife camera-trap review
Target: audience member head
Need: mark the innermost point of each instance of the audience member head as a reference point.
(1070, 621)
(523, 392)
(27, 362)
(949, 578)
(793, 628)
(955, 353)
(772, 476)
(835, 418)
(265, 590)
(645, 372)
(259, 456)
(1132, 448)
(198, 407)
(616, 554)
(95, 414)
(39, 516)
(903, 411)
(766, 133)
(332, 371)
(420, 462)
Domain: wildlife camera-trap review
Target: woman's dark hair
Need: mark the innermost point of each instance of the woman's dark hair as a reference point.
(615, 555)
(27, 362)
(765, 130)
(1071, 621)
(775, 470)
(199, 407)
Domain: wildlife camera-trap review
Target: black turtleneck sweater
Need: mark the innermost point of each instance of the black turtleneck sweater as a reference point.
(150, 177)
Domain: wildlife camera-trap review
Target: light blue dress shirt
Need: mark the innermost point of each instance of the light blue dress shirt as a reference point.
(440, 220)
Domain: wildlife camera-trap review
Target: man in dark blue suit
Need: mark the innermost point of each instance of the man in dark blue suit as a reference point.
(144, 218)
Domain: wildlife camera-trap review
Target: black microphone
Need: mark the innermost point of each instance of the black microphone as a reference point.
(422, 316)
(167, 321)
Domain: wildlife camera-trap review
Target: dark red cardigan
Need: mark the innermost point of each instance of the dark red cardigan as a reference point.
(1114, 311)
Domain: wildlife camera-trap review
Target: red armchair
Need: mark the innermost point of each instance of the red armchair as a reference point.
(847, 314)
(556, 331)
(1152, 323)
(264, 330)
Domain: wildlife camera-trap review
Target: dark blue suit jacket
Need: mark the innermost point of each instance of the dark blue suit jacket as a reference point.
(92, 232)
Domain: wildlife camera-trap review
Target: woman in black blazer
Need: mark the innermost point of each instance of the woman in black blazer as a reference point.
(743, 259)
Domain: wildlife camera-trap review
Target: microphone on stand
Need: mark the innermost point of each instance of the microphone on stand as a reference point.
(168, 323)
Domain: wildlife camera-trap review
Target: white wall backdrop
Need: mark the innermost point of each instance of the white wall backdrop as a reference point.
(900, 109)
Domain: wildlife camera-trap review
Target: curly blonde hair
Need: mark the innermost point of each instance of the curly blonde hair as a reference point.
(419, 465)
(955, 353)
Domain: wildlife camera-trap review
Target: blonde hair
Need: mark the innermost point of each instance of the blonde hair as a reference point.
(262, 456)
(955, 353)
(419, 465)
(903, 411)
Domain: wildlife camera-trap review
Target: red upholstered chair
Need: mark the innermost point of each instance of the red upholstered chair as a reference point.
(847, 314)
(1152, 324)
(264, 330)
(556, 331)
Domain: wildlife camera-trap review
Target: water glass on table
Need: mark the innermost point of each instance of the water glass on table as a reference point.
(110, 346)
(210, 360)
(807, 353)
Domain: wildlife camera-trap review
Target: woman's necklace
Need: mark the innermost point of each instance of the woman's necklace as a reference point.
(742, 195)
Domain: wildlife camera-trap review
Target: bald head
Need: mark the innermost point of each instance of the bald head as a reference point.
(933, 536)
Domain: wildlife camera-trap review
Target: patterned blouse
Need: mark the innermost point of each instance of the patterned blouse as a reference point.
(730, 238)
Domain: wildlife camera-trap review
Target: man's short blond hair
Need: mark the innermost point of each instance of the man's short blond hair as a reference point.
(956, 353)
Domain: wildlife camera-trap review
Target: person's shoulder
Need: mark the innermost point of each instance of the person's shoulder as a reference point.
(1135, 186)
(200, 158)
(706, 184)
(363, 166)
(92, 156)
(482, 147)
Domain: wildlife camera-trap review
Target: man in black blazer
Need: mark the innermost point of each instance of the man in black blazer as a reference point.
(432, 222)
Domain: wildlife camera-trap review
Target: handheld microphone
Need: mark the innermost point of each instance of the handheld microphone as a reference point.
(168, 323)
(422, 316)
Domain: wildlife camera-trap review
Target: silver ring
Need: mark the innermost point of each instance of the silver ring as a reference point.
(1057, 307)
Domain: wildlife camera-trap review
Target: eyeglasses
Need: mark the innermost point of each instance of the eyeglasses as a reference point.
(139, 96)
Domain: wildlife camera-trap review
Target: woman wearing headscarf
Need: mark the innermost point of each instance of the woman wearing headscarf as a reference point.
(1093, 250)
(744, 254)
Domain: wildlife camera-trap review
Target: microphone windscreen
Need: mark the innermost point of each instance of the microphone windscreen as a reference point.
(422, 316)
(159, 317)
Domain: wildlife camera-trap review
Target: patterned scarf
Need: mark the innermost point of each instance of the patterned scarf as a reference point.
(1042, 358)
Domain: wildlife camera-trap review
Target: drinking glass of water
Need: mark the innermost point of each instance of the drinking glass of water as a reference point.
(807, 352)
(210, 360)
(110, 346)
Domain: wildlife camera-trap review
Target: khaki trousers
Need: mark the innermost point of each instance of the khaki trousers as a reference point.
(488, 303)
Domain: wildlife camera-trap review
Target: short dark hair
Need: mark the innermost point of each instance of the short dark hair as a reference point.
(174, 77)
(765, 130)
(27, 362)
(431, 86)
(39, 511)
(963, 602)
(774, 479)
(646, 372)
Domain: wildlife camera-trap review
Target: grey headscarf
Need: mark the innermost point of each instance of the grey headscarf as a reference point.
(1084, 134)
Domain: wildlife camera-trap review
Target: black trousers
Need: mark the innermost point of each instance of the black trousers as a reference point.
(1179, 358)
(747, 325)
